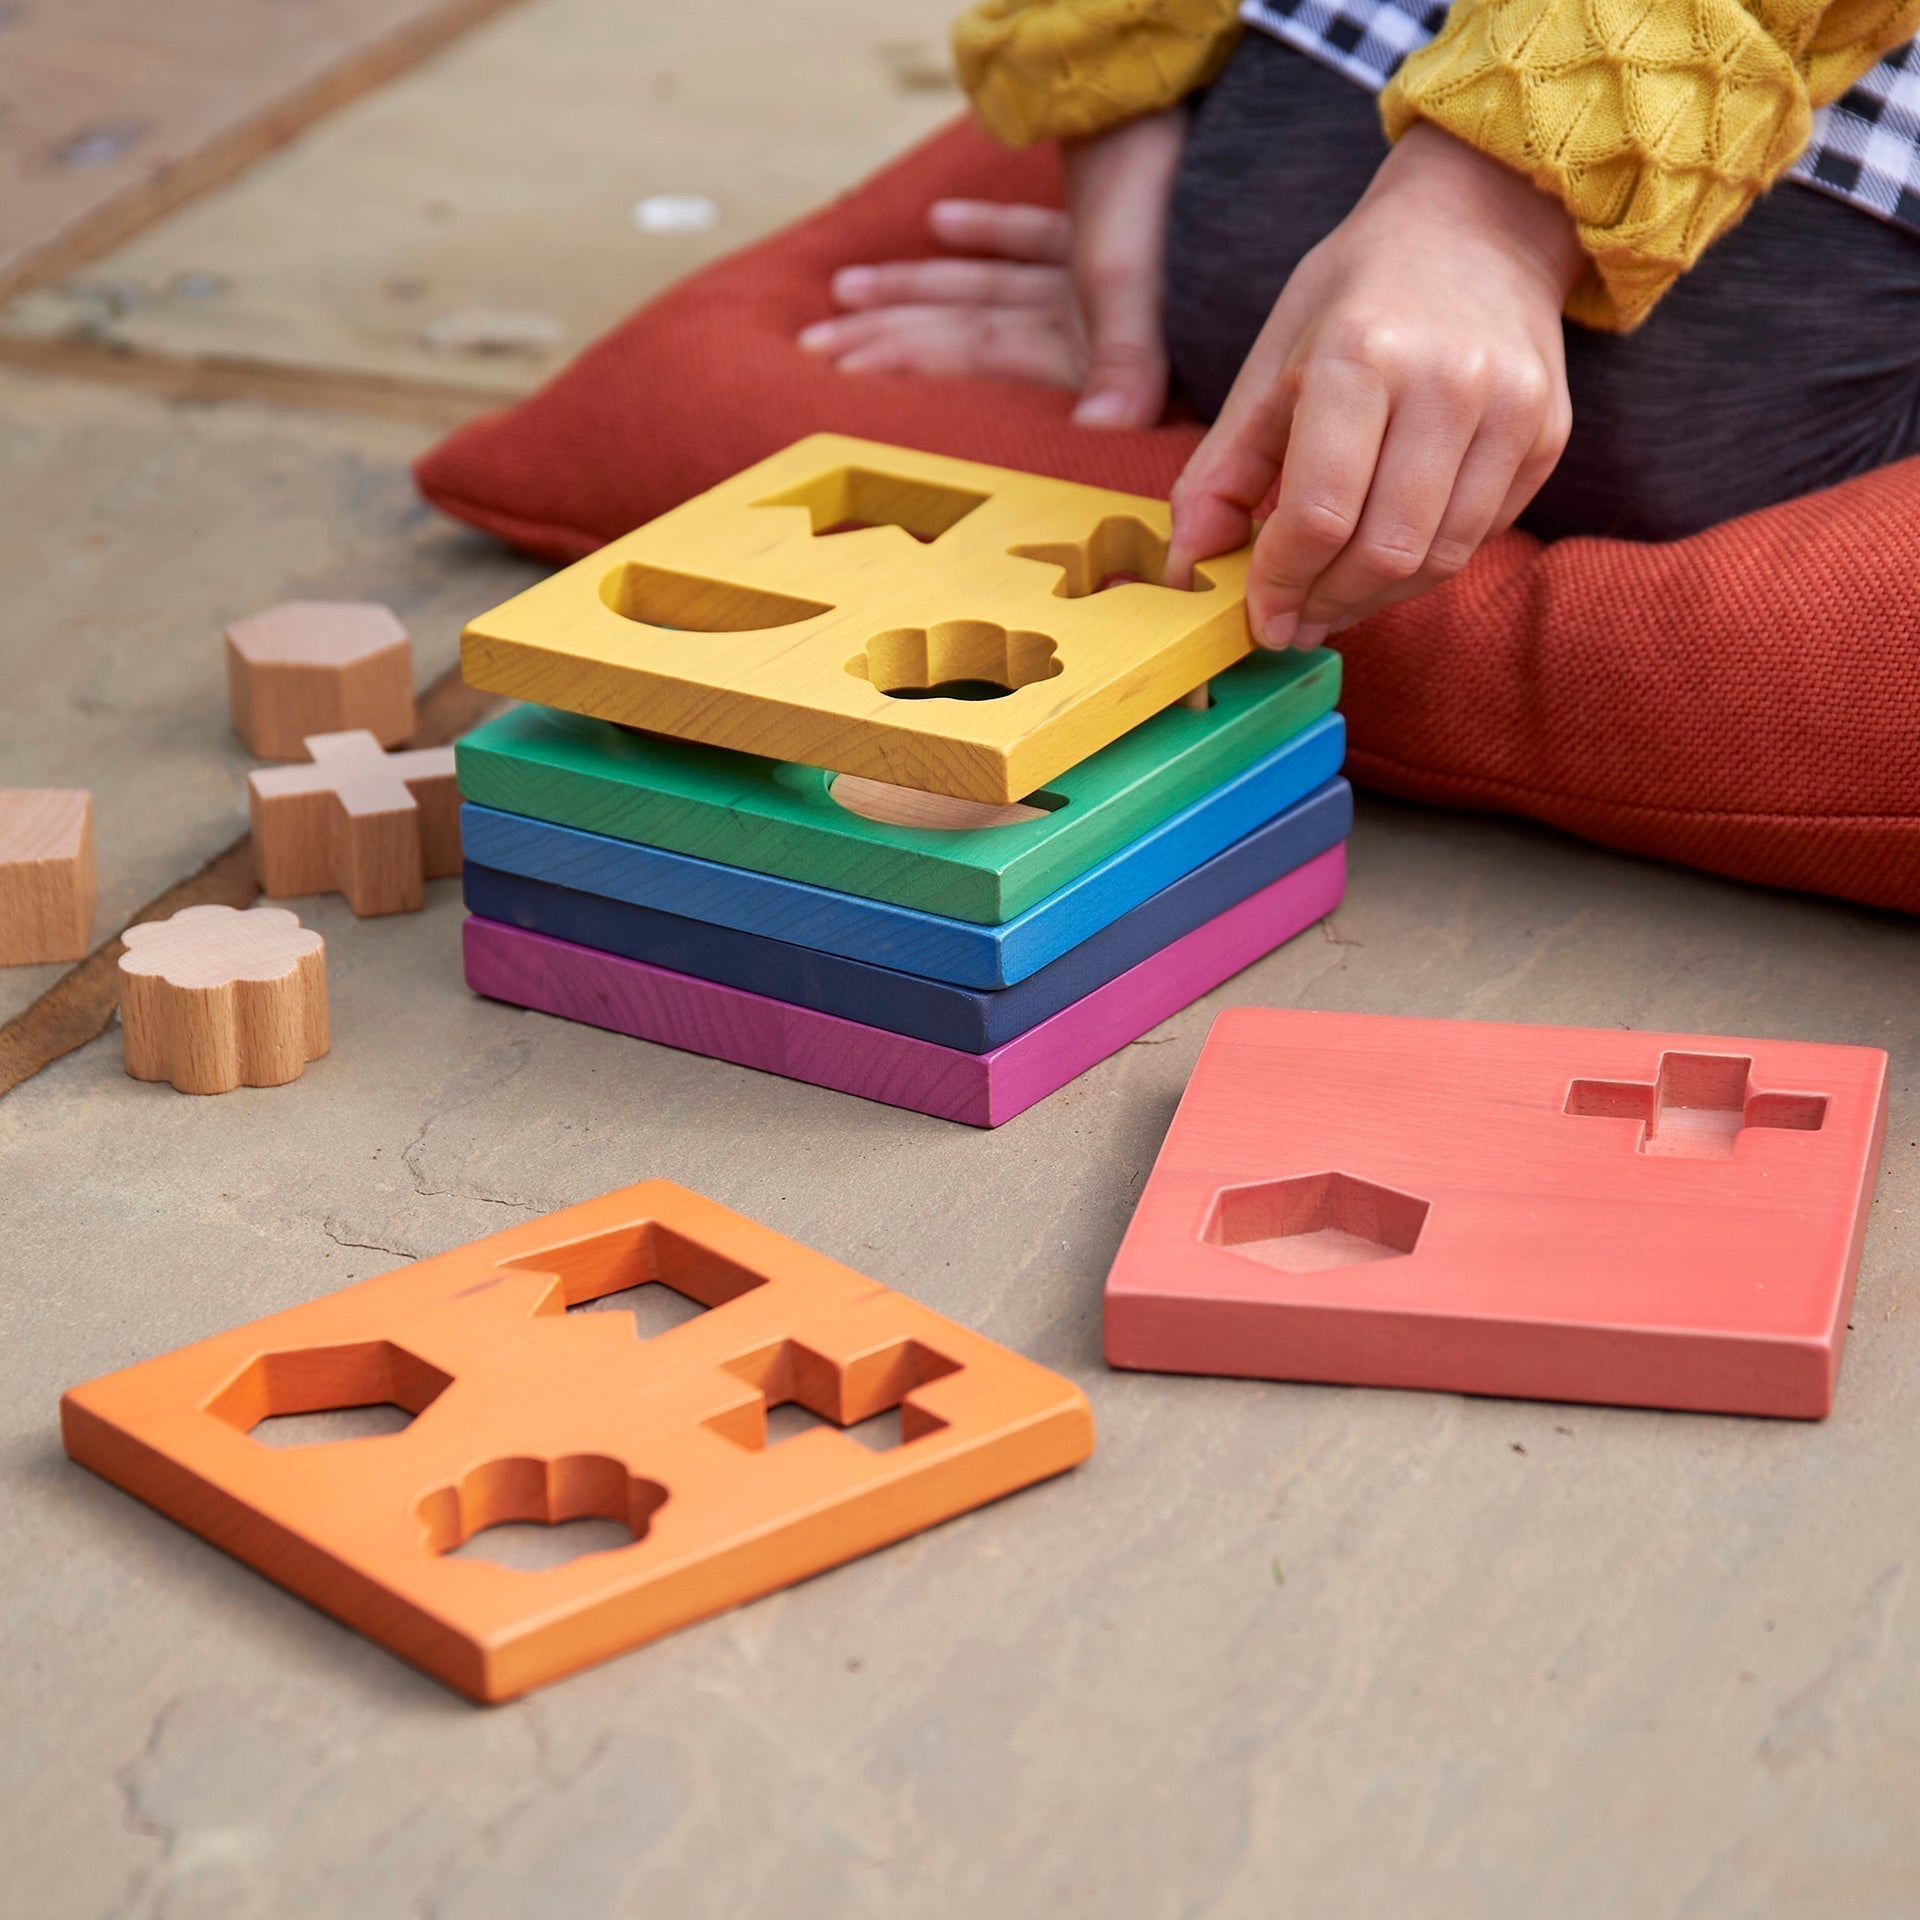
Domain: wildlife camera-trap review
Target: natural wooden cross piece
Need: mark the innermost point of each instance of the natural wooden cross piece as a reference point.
(371, 825)
(1697, 1106)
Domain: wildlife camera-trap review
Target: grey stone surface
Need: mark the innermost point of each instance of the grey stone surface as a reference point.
(1275, 1651)
(131, 531)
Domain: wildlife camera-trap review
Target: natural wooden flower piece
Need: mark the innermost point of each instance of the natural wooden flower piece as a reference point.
(215, 999)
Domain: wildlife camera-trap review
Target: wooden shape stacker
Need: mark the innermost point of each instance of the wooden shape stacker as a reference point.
(525, 1410)
(917, 620)
(978, 1089)
(932, 944)
(1550, 1213)
(841, 832)
(972, 1019)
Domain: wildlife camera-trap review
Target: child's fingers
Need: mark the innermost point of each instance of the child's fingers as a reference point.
(1332, 451)
(1012, 231)
(1232, 475)
(959, 283)
(1126, 383)
(1414, 487)
(1011, 343)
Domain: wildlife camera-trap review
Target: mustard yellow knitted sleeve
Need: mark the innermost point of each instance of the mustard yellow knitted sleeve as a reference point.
(1068, 69)
(1655, 122)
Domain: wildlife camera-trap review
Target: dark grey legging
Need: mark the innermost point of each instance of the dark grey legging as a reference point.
(1787, 360)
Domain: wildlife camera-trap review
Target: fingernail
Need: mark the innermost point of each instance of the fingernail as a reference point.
(853, 283)
(817, 336)
(1108, 409)
(1278, 632)
(1307, 638)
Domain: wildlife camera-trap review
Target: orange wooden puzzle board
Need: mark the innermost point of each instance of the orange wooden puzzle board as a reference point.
(525, 1412)
(1542, 1212)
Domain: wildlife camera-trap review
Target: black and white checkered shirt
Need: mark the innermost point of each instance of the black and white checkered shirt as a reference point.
(1865, 146)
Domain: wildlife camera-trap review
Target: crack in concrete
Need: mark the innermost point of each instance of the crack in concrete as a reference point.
(486, 1076)
(136, 1822)
(367, 1246)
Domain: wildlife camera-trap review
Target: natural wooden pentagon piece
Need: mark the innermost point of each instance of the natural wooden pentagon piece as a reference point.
(319, 666)
(370, 825)
(46, 874)
(215, 999)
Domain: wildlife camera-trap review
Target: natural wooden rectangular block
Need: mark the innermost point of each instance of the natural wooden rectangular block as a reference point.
(47, 883)
(525, 1409)
(813, 608)
(1552, 1213)
(977, 1089)
(803, 823)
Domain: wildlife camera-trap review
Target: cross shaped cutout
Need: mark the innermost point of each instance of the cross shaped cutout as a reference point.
(372, 825)
(1697, 1106)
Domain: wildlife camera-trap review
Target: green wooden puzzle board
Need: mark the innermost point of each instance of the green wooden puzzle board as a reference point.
(772, 817)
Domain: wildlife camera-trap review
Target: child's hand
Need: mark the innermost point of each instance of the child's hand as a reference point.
(1405, 400)
(1061, 299)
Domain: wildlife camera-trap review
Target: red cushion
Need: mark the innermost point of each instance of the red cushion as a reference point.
(1746, 701)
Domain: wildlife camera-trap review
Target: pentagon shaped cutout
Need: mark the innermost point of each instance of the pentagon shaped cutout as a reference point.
(315, 1396)
(1316, 1222)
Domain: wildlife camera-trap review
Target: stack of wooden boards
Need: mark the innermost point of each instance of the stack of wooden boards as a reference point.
(896, 774)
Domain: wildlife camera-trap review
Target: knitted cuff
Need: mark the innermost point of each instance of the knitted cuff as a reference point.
(1654, 127)
(1069, 69)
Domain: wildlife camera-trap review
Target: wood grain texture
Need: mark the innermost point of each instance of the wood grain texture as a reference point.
(214, 999)
(932, 945)
(1664, 1220)
(561, 1417)
(47, 885)
(116, 111)
(977, 1089)
(749, 617)
(960, 1017)
(319, 666)
(792, 821)
(370, 825)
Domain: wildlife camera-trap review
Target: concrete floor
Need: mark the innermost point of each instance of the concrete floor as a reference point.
(1275, 1651)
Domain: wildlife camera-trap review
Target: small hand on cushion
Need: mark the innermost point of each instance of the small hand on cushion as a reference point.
(1405, 400)
(1063, 299)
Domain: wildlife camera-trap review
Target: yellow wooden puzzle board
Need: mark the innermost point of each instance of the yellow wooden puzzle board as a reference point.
(743, 619)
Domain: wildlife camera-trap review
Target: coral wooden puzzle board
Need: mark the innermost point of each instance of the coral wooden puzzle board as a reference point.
(782, 818)
(1546, 1213)
(527, 1411)
(752, 617)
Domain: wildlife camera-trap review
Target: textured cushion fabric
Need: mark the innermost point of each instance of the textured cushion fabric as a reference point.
(1746, 701)
(707, 379)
